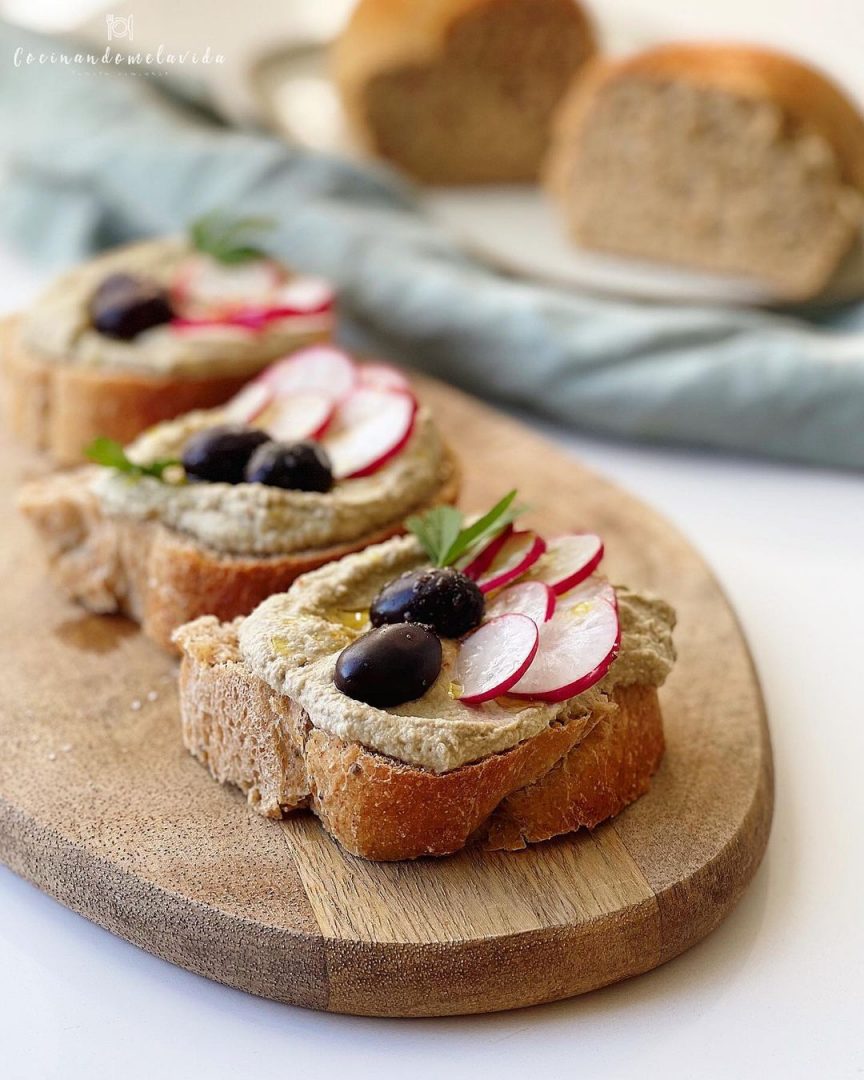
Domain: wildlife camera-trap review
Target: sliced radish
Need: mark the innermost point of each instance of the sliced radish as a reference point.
(494, 657)
(481, 562)
(202, 281)
(298, 299)
(249, 402)
(518, 552)
(383, 377)
(568, 560)
(577, 647)
(304, 296)
(531, 598)
(300, 416)
(322, 369)
(370, 427)
(592, 588)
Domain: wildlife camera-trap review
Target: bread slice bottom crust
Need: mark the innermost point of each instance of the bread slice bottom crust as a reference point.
(156, 575)
(575, 773)
(60, 407)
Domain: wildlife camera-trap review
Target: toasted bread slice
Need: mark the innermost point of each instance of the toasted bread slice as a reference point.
(574, 773)
(158, 576)
(59, 408)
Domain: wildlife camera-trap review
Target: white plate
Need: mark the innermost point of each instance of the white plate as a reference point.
(515, 228)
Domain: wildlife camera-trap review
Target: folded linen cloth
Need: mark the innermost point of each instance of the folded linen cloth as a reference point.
(94, 158)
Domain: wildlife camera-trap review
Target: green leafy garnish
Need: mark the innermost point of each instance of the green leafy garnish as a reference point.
(109, 452)
(445, 537)
(229, 240)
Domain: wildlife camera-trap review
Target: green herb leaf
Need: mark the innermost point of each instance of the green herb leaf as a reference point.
(444, 538)
(484, 528)
(229, 240)
(112, 455)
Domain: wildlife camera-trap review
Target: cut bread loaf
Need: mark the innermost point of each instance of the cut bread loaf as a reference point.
(157, 575)
(59, 407)
(576, 772)
(723, 158)
(459, 91)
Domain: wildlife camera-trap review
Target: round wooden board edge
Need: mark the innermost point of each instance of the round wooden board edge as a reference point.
(302, 966)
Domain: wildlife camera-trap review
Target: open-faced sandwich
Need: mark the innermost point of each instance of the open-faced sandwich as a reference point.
(151, 331)
(215, 510)
(462, 683)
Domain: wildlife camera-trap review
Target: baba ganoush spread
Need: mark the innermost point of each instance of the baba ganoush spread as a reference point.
(58, 328)
(292, 641)
(253, 519)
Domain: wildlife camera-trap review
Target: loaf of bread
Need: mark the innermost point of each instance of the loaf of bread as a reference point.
(575, 773)
(724, 158)
(460, 91)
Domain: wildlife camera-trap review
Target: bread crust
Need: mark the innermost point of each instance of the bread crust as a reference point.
(383, 34)
(805, 94)
(608, 770)
(158, 576)
(381, 809)
(60, 407)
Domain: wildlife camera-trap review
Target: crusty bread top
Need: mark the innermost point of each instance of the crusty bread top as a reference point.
(382, 34)
(807, 96)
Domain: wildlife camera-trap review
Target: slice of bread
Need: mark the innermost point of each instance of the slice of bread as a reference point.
(60, 408)
(724, 158)
(460, 91)
(159, 576)
(574, 773)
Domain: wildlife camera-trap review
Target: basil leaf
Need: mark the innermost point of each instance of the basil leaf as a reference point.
(228, 239)
(112, 455)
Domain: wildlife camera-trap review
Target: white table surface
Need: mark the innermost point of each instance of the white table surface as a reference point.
(776, 991)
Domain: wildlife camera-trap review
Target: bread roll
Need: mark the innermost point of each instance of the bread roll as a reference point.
(460, 91)
(719, 157)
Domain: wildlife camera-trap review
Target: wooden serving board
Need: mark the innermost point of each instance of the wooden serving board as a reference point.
(102, 808)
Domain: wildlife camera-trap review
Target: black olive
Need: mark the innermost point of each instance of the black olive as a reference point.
(124, 306)
(302, 466)
(220, 454)
(445, 599)
(389, 665)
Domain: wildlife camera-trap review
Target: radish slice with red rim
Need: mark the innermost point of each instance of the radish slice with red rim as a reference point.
(369, 428)
(494, 657)
(519, 551)
(202, 281)
(531, 598)
(576, 649)
(322, 369)
(249, 402)
(305, 415)
(474, 567)
(303, 296)
(383, 377)
(595, 587)
(568, 560)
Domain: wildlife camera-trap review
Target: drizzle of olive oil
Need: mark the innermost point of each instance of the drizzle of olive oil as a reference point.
(578, 610)
(280, 646)
(353, 620)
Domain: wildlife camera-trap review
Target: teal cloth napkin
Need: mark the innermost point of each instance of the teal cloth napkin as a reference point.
(93, 159)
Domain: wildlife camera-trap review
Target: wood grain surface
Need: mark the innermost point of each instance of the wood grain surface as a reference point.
(102, 808)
